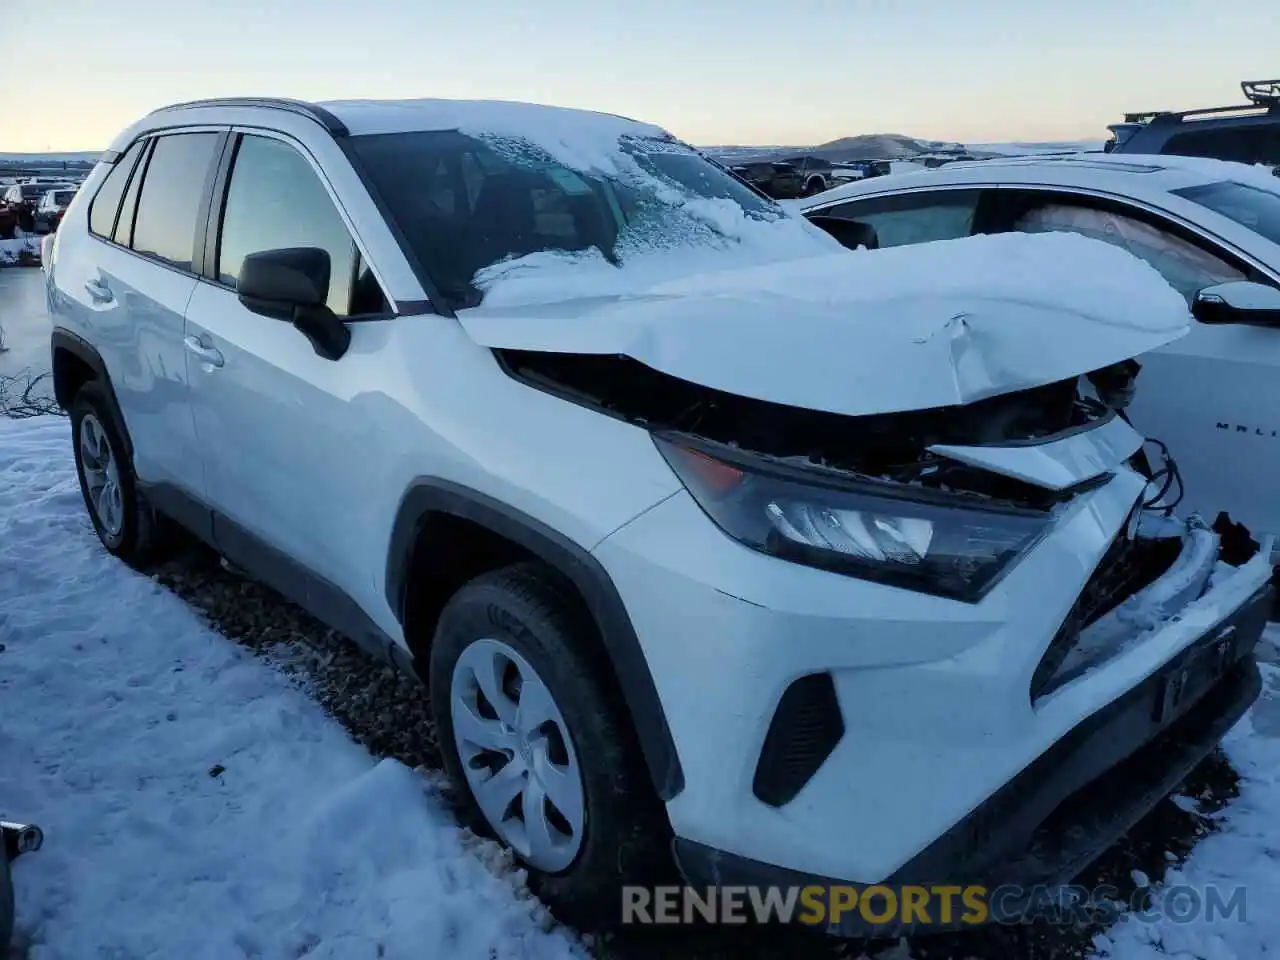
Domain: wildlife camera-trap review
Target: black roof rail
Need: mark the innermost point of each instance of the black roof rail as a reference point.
(300, 107)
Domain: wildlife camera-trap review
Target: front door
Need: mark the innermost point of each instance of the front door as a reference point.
(277, 422)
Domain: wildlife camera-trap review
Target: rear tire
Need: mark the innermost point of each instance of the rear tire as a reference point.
(124, 521)
(527, 621)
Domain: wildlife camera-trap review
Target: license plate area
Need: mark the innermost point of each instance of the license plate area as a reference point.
(1200, 666)
(1183, 684)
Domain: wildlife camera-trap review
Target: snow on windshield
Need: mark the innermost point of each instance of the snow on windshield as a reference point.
(481, 209)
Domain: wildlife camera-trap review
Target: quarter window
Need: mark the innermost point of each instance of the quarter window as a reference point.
(102, 212)
(276, 200)
(913, 218)
(169, 204)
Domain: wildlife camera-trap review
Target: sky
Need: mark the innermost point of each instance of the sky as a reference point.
(713, 72)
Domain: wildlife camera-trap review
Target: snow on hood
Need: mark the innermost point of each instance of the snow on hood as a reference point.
(855, 333)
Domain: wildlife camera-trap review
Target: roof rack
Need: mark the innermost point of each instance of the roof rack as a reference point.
(1261, 94)
(300, 107)
(1265, 93)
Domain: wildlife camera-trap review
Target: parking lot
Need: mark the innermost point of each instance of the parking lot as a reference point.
(25, 322)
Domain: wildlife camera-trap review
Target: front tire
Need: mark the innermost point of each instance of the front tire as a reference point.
(121, 516)
(533, 739)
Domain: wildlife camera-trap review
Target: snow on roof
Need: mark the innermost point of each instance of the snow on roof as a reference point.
(581, 139)
(1126, 173)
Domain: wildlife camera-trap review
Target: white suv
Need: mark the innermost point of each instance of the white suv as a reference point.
(704, 534)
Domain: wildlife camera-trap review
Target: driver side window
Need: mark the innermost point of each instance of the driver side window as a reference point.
(275, 200)
(1186, 266)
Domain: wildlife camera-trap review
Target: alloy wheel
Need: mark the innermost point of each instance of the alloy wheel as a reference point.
(101, 476)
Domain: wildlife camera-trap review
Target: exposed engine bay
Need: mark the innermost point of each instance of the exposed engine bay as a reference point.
(889, 447)
(1154, 567)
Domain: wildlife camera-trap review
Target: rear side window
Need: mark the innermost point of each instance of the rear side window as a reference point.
(129, 209)
(102, 213)
(169, 204)
(276, 200)
(1251, 144)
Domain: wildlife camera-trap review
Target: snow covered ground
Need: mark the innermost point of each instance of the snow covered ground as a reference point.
(196, 803)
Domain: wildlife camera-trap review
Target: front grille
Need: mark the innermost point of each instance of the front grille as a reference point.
(805, 729)
(1127, 567)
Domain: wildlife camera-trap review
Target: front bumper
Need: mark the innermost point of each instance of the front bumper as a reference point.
(1043, 828)
(934, 696)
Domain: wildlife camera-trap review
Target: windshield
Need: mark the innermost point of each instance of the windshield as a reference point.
(463, 203)
(1252, 207)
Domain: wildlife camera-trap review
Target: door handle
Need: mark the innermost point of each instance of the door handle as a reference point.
(209, 355)
(98, 290)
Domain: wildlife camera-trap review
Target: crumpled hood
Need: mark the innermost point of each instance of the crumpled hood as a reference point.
(857, 333)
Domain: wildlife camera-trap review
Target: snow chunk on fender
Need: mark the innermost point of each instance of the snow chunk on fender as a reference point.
(904, 328)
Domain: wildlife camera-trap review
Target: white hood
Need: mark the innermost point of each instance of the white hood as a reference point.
(855, 333)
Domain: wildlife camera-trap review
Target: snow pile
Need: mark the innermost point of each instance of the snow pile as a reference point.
(1242, 853)
(195, 804)
(856, 333)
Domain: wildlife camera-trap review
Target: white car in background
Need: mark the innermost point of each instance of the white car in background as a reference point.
(1214, 396)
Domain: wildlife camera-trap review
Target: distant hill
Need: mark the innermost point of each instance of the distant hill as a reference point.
(894, 146)
(71, 164)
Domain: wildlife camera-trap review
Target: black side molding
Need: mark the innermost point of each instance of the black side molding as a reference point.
(432, 495)
(61, 340)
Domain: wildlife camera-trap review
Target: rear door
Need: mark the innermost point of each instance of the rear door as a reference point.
(130, 285)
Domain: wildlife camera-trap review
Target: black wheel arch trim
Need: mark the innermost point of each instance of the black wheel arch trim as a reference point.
(86, 353)
(433, 495)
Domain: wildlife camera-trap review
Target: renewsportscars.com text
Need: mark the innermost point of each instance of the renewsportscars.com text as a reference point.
(922, 907)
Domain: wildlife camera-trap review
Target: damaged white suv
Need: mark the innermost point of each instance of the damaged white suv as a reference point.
(705, 535)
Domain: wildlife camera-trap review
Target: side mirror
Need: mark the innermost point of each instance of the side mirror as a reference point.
(1239, 301)
(850, 233)
(292, 284)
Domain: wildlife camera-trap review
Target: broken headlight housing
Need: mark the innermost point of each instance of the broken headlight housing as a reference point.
(910, 537)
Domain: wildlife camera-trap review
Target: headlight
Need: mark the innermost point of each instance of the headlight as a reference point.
(908, 537)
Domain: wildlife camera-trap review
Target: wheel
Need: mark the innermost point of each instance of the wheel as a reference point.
(121, 516)
(531, 736)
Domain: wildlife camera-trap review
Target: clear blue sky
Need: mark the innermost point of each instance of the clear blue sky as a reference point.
(711, 71)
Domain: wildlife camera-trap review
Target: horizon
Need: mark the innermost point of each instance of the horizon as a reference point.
(835, 68)
(90, 151)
